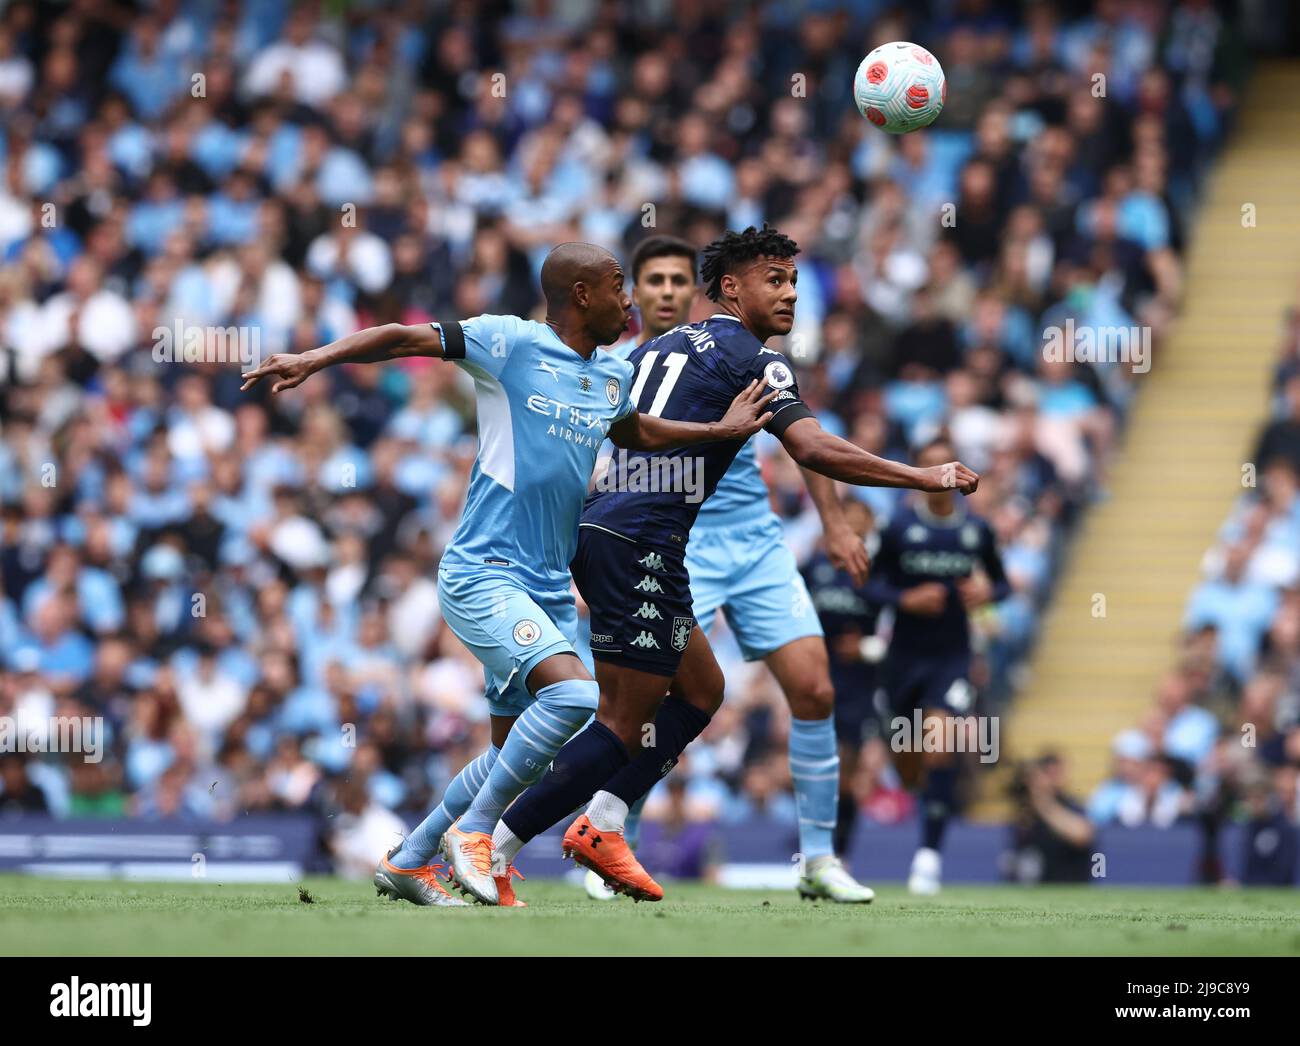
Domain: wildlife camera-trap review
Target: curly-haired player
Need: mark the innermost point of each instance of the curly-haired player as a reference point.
(631, 561)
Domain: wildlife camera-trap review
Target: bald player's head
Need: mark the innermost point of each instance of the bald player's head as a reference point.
(587, 280)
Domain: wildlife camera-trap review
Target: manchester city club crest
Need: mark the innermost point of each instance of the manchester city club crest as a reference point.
(682, 627)
(612, 391)
(527, 632)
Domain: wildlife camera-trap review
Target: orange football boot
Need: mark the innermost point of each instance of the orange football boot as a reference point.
(608, 855)
(506, 889)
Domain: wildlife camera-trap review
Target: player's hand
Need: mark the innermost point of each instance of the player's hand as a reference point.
(291, 369)
(952, 475)
(927, 599)
(975, 590)
(746, 416)
(848, 553)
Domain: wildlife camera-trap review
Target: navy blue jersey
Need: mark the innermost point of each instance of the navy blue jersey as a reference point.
(847, 616)
(917, 547)
(843, 607)
(690, 373)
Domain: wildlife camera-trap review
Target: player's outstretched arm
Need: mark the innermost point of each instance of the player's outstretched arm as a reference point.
(744, 417)
(844, 547)
(389, 341)
(816, 449)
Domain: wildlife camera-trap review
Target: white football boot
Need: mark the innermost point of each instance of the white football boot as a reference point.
(828, 879)
(596, 888)
(422, 886)
(927, 870)
(470, 857)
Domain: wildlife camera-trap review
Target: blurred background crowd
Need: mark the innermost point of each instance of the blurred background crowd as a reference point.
(243, 588)
(1223, 734)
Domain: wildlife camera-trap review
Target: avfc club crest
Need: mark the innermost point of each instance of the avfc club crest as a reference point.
(613, 391)
(970, 536)
(682, 627)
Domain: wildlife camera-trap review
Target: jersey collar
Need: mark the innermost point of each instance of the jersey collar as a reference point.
(955, 519)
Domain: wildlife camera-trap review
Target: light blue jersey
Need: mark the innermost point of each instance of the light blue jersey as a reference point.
(543, 413)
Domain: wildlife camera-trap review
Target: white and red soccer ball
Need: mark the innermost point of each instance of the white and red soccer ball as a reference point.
(900, 87)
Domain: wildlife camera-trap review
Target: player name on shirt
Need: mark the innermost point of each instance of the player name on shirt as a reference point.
(690, 373)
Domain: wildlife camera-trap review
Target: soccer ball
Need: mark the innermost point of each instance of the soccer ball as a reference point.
(900, 87)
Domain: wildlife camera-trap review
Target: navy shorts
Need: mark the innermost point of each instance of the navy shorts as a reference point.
(856, 717)
(639, 598)
(928, 681)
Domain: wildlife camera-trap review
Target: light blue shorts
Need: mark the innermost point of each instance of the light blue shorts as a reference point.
(750, 573)
(510, 629)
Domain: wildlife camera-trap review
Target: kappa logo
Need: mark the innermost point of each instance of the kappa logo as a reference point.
(645, 641)
(527, 632)
(650, 612)
(652, 561)
(549, 368)
(682, 627)
(613, 391)
(648, 584)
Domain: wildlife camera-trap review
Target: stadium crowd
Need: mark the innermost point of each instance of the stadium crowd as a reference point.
(1224, 730)
(243, 587)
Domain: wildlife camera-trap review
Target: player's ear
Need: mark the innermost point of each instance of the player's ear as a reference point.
(729, 285)
(581, 295)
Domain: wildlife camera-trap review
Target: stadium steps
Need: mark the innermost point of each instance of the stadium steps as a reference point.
(1192, 428)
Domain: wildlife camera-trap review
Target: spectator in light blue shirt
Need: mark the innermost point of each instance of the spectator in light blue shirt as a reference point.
(151, 79)
(1239, 610)
(232, 212)
(705, 179)
(99, 598)
(1190, 731)
(61, 653)
(157, 215)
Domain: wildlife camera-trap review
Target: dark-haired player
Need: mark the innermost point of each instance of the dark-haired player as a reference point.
(937, 561)
(632, 551)
(739, 563)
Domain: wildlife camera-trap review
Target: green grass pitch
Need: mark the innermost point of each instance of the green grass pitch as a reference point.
(54, 917)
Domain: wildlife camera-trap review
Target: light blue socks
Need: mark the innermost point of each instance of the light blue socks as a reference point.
(422, 843)
(558, 712)
(815, 768)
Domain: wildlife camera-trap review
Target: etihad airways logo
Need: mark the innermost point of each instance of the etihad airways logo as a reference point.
(572, 424)
(565, 412)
